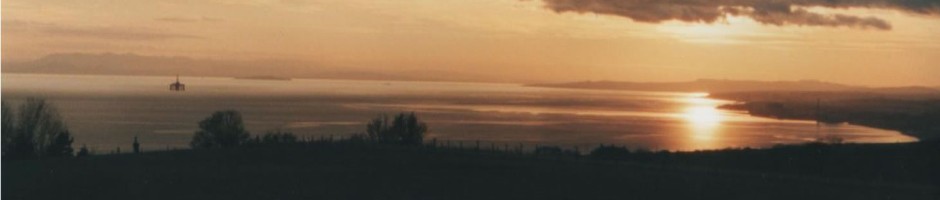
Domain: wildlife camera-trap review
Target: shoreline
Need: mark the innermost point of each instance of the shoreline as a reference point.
(760, 109)
(913, 115)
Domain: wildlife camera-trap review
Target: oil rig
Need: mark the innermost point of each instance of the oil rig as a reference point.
(177, 86)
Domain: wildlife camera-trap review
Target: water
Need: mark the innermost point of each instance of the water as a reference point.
(106, 112)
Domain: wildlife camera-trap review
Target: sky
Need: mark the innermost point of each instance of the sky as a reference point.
(861, 42)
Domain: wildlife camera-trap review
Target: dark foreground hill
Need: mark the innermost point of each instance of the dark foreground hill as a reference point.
(331, 171)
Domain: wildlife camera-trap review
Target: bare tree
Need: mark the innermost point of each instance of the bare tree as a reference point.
(39, 131)
(377, 129)
(404, 129)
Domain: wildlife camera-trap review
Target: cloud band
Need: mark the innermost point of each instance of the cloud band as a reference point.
(770, 12)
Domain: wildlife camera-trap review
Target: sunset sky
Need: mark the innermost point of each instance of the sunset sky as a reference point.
(865, 42)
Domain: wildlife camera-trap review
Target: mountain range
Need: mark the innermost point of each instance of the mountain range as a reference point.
(133, 64)
(726, 86)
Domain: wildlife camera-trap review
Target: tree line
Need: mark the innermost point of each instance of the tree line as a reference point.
(226, 129)
(37, 130)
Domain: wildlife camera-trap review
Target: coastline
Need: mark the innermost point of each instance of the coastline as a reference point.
(910, 114)
(750, 107)
(911, 117)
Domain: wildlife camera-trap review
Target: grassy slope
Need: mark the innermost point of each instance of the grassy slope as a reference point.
(343, 172)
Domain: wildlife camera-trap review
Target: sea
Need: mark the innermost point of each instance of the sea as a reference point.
(106, 112)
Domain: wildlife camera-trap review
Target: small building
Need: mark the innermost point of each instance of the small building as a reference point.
(177, 86)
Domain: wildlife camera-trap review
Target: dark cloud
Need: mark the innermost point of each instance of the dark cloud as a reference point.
(115, 33)
(773, 12)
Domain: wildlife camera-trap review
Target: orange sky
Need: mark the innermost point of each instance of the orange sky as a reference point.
(515, 40)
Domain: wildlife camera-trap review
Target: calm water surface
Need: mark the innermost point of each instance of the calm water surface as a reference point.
(106, 112)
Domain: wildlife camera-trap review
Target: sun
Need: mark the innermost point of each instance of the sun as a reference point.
(725, 31)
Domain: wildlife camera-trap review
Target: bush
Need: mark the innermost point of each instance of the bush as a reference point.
(82, 152)
(223, 129)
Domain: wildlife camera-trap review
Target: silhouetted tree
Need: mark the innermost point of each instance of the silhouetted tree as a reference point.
(405, 129)
(39, 131)
(82, 152)
(410, 129)
(221, 130)
(378, 128)
(61, 145)
(21, 146)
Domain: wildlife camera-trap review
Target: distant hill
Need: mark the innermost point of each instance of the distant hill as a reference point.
(133, 64)
(725, 86)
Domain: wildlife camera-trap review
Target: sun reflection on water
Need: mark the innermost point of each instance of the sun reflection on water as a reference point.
(702, 117)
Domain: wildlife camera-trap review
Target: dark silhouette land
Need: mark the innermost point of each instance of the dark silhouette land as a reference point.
(355, 169)
(392, 159)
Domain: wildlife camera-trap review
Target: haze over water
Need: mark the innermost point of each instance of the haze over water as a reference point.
(105, 112)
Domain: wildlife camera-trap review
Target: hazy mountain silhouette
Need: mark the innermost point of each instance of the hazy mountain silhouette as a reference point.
(133, 64)
(720, 86)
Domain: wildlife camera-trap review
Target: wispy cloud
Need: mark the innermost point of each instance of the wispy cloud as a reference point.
(188, 20)
(780, 12)
(113, 33)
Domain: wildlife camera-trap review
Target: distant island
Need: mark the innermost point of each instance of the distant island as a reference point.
(268, 78)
